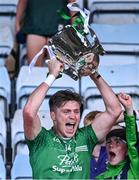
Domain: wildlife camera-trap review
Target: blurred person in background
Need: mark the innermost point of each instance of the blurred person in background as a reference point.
(121, 144)
(99, 159)
(98, 162)
(37, 21)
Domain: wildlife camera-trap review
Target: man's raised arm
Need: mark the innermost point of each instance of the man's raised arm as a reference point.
(105, 120)
(32, 125)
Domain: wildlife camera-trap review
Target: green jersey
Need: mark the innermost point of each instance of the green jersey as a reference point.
(115, 172)
(52, 157)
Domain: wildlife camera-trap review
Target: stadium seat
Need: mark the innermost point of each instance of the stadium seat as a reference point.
(17, 135)
(6, 43)
(8, 14)
(21, 168)
(22, 55)
(115, 57)
(122, 47)
(122, 78)
(5, 91)
(116, 34)
(17, 132)
(7, 22)
(2, 136)
(2, 169)
(27, 82)
(114, 12)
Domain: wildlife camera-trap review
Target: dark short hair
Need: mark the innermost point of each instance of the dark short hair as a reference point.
(121, 133)
(61, 97)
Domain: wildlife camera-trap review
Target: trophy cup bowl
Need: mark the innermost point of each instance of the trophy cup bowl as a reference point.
(78, 52)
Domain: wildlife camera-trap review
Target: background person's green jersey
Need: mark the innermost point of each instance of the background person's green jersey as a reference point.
(117, 171)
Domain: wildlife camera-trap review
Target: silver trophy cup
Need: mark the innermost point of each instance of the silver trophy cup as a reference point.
(75, 50)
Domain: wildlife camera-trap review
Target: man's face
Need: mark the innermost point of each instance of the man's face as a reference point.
(116, 149)
(66, 119)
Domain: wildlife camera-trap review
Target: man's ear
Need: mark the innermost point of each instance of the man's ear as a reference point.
(52, 114)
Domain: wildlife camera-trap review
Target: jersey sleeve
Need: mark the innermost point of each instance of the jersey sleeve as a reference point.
(131, 136)
(34, 144)
(90, 137)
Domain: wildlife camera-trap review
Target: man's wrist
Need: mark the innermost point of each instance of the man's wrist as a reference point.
(50, 79)
(129, 111)
(95, 74)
